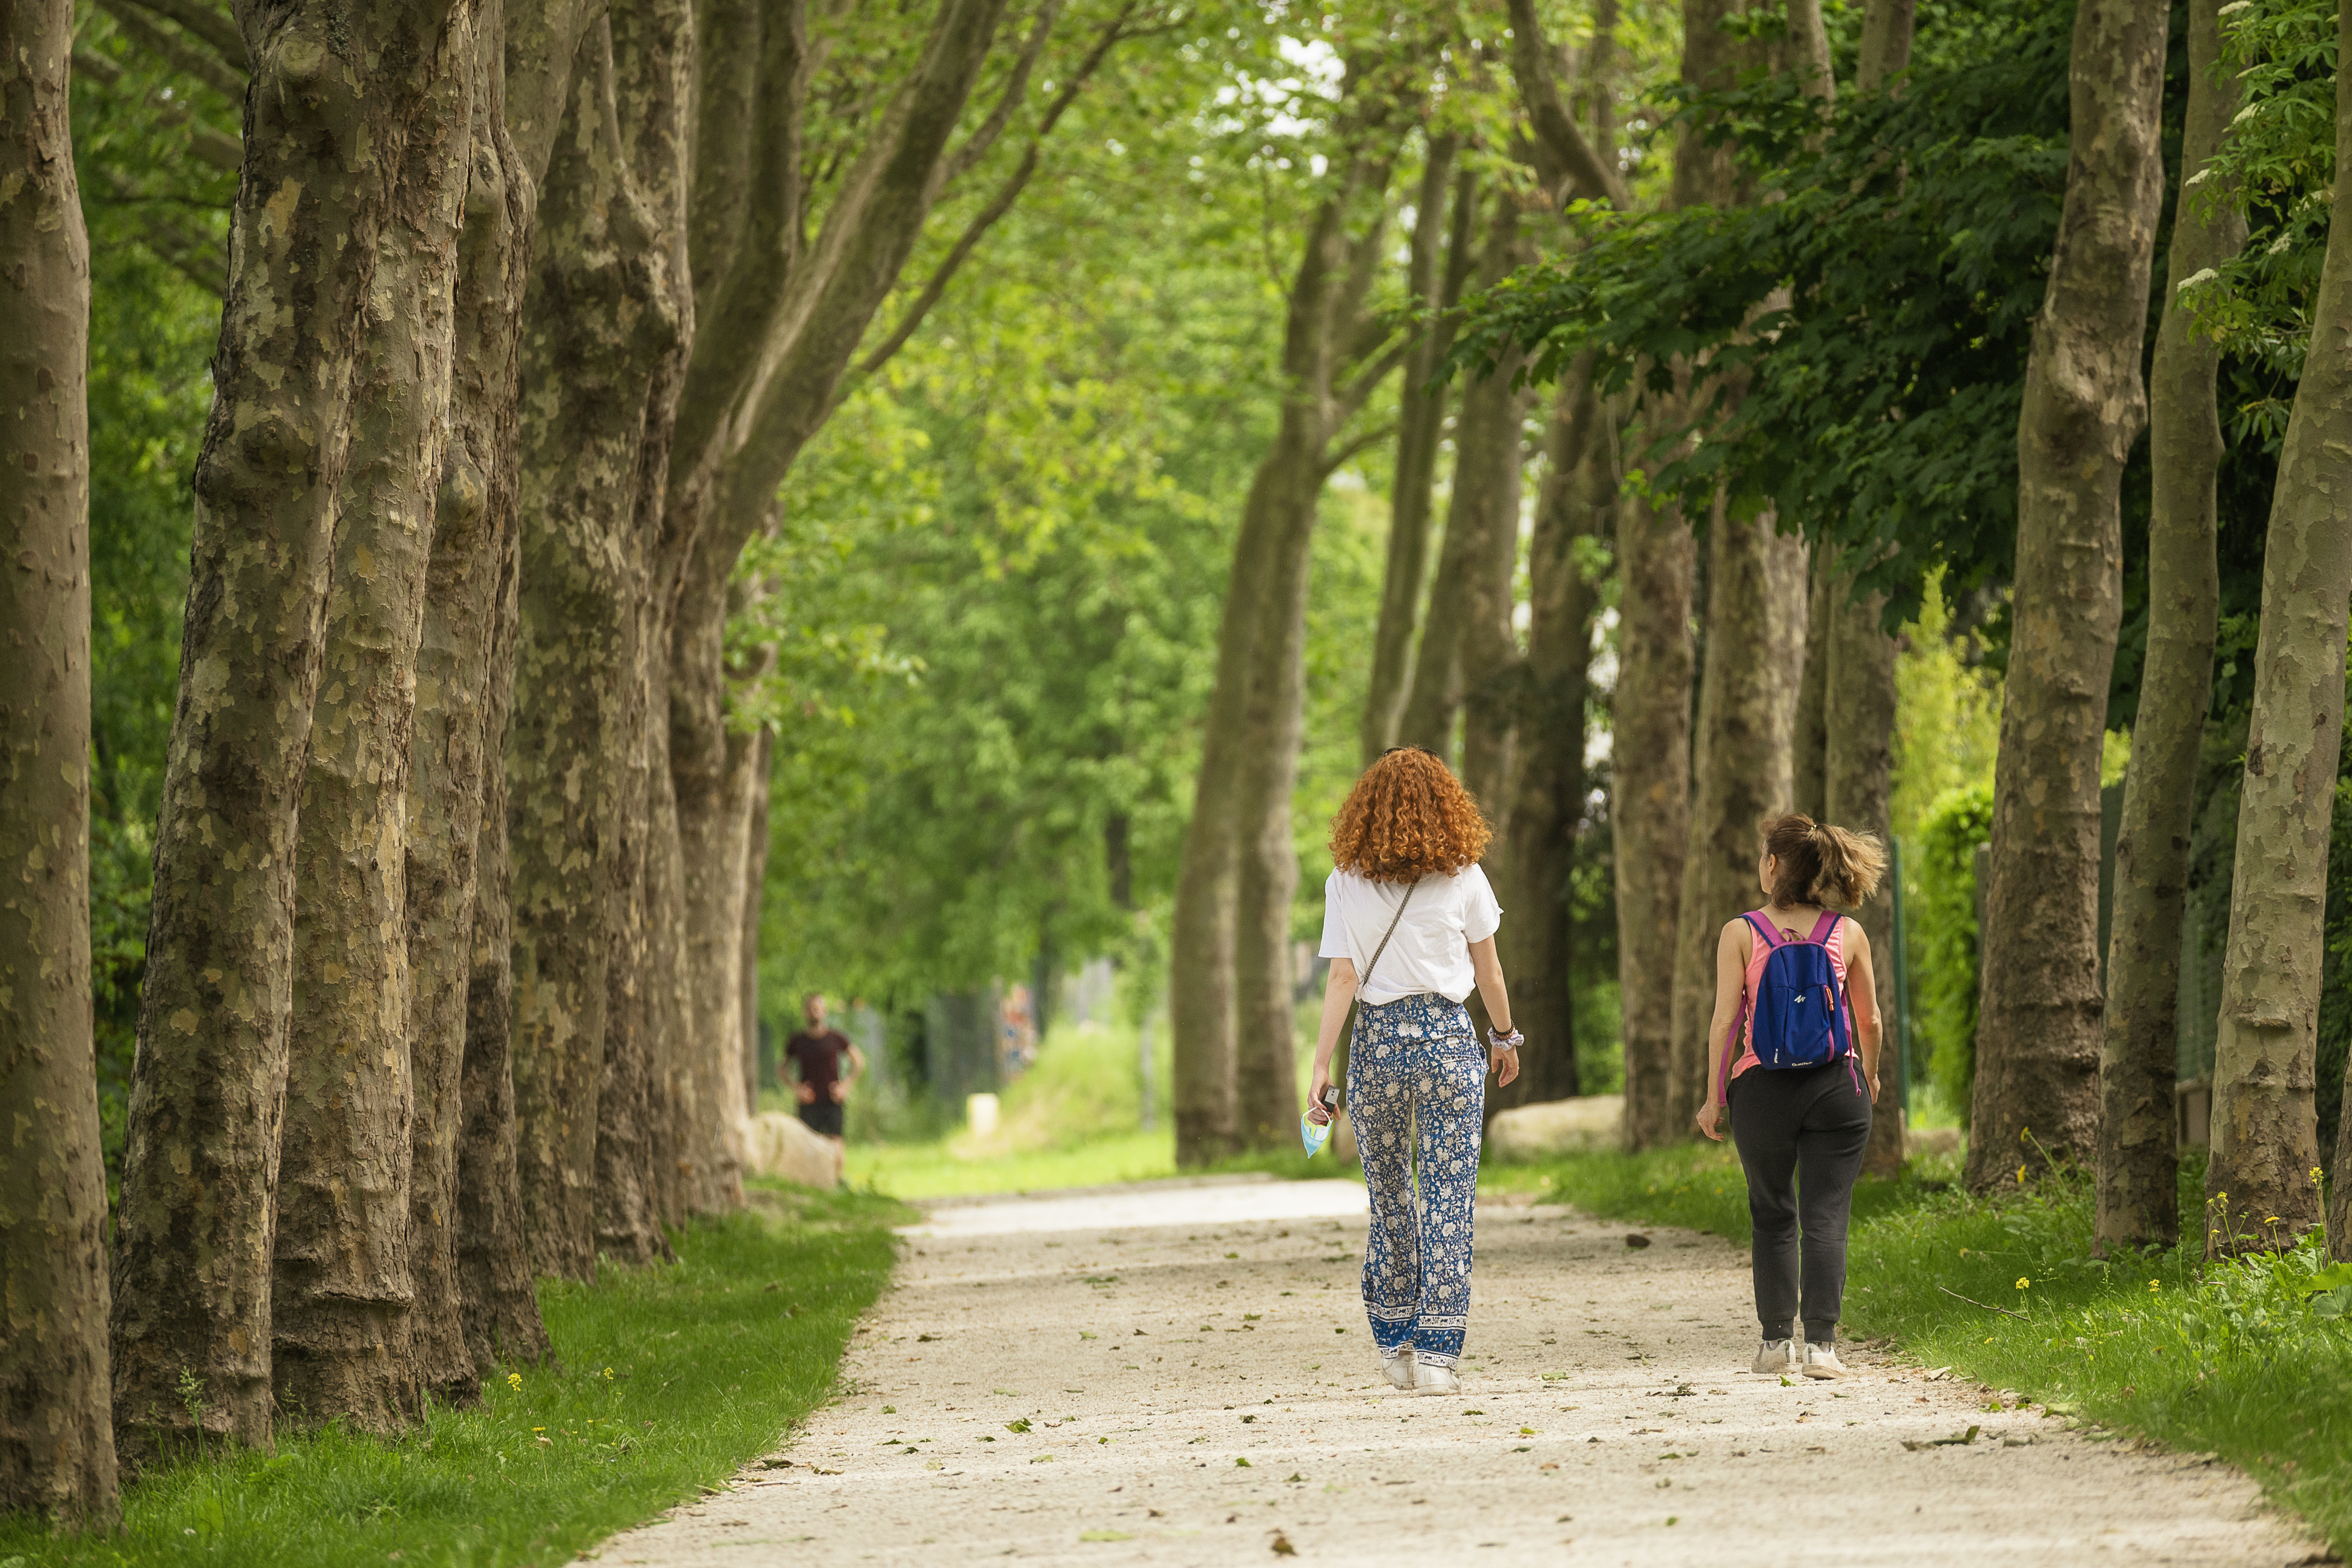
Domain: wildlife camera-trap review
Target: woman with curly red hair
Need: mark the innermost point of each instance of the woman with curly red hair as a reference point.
(1409, 924)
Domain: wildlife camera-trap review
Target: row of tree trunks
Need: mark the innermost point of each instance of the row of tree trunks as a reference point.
(2263, 1183)
(2138, 1159)
(2039, 1021)
(57, 1430)
(281, 460)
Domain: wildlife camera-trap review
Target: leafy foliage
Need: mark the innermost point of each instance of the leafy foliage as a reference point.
(1856, 345)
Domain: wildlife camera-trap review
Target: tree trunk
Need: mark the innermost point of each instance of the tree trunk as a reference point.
(2265, 1131)
(2038, 1027)
(1490, 451)
(342, 1288)
(1573, 507)
(494, 1280)
(1421, 426)
(763, 380)
(1745, 761)
(755, 883)
(1858, 768)
(603, 321)
(1266, 1080)
(474, 519)
(2139, 1162)
(1650, 771)
(2339, 1191)
(639, 1170)
(196, 1229)
(1810, 793)
(710, 770)
(1885, 51)
(57, 1430)
(1237, 850)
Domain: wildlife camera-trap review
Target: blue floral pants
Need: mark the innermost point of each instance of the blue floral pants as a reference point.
(1415, 1074)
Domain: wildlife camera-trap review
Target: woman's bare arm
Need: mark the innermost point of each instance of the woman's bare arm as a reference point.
(1861, 997)
(1731, 951)
(1338, 996)
(1489, 971)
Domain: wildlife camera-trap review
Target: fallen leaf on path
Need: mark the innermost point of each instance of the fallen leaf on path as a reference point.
(1636, 1239)
(1282, 1547)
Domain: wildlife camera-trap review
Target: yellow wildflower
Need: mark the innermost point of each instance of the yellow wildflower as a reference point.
(514, 1381)
(2023, 1283)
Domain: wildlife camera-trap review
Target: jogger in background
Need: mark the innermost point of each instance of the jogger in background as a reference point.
(1409, 925)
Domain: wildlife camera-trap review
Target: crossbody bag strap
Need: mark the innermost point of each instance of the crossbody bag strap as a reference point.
(1365, 979)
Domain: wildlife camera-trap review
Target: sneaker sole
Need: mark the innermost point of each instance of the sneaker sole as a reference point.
(1831, 1373)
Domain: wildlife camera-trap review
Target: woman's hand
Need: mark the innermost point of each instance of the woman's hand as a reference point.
(1710, 1120)
(1316, 1111)
(1504, 1064)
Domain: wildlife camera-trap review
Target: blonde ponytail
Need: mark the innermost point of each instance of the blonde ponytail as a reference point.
(1820, 864)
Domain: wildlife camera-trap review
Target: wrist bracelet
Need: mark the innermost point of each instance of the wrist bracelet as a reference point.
(1503, 1042)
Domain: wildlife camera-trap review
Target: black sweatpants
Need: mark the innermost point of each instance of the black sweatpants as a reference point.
(1800, 1129)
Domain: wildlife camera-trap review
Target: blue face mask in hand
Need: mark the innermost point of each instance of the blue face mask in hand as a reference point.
(1312, 1133)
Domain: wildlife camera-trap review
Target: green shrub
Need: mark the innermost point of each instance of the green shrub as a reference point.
(1942, 919)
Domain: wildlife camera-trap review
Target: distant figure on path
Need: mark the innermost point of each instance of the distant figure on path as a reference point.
(1409, 924)
(817, 1052)
(1795, 1007)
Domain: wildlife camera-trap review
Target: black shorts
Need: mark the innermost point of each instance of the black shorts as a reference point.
(822, 1116)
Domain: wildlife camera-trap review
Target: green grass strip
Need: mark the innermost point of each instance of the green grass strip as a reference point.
(667, 1380)
(2236, 1360)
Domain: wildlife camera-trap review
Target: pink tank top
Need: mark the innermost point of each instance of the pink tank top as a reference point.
(1758, 952)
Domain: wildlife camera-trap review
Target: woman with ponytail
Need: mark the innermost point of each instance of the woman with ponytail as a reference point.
(1793, 1053)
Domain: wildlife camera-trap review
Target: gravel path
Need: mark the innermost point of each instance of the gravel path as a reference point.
(1179, 1372)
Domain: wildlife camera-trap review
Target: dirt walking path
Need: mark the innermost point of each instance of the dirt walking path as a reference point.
(1180, 1373)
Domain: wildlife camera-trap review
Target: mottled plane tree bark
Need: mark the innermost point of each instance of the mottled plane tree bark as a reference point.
(2265, 1152)
(607, 324)
(196, 1229)
(56, 1429)
(2138, 1160)
(341, 1322)
(453, 750)
(2038, 1028)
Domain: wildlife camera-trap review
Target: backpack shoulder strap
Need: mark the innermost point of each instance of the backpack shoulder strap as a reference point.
(1771, 938)
(1825, 926)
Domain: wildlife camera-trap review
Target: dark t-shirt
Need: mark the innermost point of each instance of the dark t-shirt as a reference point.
(819, 1056)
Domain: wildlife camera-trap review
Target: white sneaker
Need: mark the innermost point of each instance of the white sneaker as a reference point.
(1776, 1356)
(1821, 1361)
(1400, 1367)
(1435, 1380)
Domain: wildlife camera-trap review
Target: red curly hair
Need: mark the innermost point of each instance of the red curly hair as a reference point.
(1406, 817)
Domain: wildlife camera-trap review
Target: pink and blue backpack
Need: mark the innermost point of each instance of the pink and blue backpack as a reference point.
(1799, 1006)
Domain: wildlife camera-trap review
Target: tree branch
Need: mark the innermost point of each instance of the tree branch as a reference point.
(1565, 157)
(181, 51)
(1359, 391)
(936, 286)
(214, 28)
(1016, 92)
(1335, 461)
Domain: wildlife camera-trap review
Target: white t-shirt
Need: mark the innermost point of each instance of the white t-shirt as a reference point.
(1431, 949)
